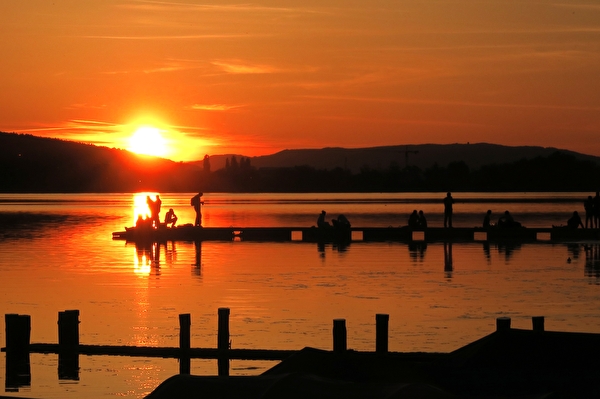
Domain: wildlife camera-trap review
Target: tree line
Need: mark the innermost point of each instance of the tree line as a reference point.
(557, 172)
(31, 164)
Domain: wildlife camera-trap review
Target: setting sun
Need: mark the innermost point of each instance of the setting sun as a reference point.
(148, 140)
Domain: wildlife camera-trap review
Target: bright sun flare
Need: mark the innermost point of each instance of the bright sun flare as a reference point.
(147, 140)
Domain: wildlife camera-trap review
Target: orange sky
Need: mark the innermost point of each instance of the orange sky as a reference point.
(255, 78)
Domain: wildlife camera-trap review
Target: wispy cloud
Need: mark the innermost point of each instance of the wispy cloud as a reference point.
(213, 107)
(238, 67)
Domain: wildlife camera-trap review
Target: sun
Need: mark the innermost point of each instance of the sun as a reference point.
(148, 140)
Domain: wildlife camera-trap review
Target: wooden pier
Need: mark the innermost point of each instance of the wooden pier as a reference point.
(355, 234)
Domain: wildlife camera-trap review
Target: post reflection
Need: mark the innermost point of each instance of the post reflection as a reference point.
(147, 256)
(416, 251)
(448, 264)
(197, 270)
(592, 262)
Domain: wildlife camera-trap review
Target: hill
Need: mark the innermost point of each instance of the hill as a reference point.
(422, 156)
(35, 164)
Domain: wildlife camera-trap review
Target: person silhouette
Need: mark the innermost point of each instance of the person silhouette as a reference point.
(321, 222)
(448, 201)
(486, 219)
(588, 205)
(422, 222)
(156, 213)
(170, 218)
(413, 219)
(596, 209)
(197, 203)
(574, 221)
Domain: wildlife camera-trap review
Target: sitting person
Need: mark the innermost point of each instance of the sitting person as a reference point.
(422, 222)
(574, 221)
(341, 222)
(170, 218)
(507, 220)
(321, 222)
(413, 219)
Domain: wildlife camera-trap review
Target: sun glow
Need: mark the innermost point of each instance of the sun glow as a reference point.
(148, 140)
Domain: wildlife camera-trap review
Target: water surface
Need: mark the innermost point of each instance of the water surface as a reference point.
(56, 253)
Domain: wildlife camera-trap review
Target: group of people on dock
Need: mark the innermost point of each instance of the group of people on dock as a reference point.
(341, 222)
(592, 211)
(153, 221)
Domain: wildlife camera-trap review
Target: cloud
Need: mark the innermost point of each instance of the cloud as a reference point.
(237, 67)
(213, 107)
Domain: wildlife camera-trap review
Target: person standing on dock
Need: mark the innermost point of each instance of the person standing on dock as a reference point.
(448, 201)
(597, 210)
(197, 203)
(588, 205)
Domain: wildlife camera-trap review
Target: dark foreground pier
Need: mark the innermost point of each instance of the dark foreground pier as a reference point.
(508, 363)
(367, 234)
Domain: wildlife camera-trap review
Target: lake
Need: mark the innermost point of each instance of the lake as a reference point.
(57, 253)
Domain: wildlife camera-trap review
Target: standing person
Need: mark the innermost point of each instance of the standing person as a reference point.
(448, 201)
(597, 210)
(487, 219)
(197, 203)
(156, 213)
(588, 205)
(152, 208)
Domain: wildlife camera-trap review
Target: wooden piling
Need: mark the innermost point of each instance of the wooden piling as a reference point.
(68, 329)
(538, 323)
(381, 333)
(223, 342)
(502, 323)
(185, 322)
(18, 332)
(223, 333)
(339, 336)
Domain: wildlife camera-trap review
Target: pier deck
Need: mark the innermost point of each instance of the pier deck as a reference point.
(368, 234)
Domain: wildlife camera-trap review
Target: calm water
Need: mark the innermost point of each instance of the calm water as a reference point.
(56, 253)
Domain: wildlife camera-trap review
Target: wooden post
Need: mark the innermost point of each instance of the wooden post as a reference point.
(185, 321)
(68, 329)
(18, 332)
(538, 323)
(223, 342)
(223, 333)
(503, 324)
(68, 345)
(339, 336)
(381, 333)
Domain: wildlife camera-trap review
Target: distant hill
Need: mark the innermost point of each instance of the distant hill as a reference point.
(420, 155)
(35, 164)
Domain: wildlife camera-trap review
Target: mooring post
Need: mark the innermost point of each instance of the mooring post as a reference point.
(340, 339)
(223, 342)
(68, 345)
(68, 329)
(381, 333)
(503, 323)
(18, 332)
(185, 321)
(538, 323)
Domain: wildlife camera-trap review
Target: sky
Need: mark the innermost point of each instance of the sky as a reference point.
(254, 78)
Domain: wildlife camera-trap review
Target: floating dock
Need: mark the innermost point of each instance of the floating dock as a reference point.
(367, 234)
